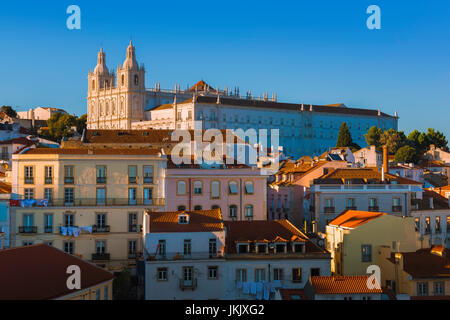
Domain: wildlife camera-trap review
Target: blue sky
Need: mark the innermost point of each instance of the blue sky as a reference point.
(316, 52)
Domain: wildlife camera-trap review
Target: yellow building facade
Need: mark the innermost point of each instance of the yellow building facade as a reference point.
(89, 203)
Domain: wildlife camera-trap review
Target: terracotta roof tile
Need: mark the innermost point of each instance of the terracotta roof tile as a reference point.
(96, 151)
(341, 285)
(199, 221)
(292, 294)
(39, 272)
(354, 218)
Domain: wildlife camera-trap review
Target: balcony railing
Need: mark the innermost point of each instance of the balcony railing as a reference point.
(181, 256)
(351, 208)
(28, 229)
(397, 208)
(48, 229)
(132, 180)
(148, 179)
(100, 256)
(69, 180)
(373, 208)
(100, 229)
(101, 180)
(29, 180)
(188, 284)
(92, 202)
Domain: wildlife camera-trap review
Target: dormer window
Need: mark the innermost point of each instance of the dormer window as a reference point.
(280, 248)
(183, 219)
(261, 247)
(243, 248)
(299, 248)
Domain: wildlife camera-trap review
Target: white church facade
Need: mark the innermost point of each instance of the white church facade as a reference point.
(304, 129)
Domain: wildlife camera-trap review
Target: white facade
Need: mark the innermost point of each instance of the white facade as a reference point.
(368, 157)
(39, 113)
(433, 226)
(4, 221)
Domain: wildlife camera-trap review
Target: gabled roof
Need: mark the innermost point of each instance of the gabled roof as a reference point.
(354, 218)
(199, 221)
(39, 272)
(426, 263)
(341, 285)
(201, 86)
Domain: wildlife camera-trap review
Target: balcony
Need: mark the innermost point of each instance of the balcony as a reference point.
(132, 180)
(29, 180)
(350, 208)
(101, 180)
(188, 284)
(93, 202)
(48, 229)
(100, 229)
(397, 208)
(48, 180)
(100, 256)
(181, 256)
(28, 229)
(329, 210)
(69, 180)
(373, 208)
(148, 179)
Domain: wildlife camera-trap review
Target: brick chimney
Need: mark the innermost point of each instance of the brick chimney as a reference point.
(385, 160)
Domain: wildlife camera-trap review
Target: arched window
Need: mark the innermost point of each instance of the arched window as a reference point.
(181, 208)
(215, 190)
(181, 188)
(233, 187)
(233, 211)
(215, 207)
(249, 211)
(136, 79)
(198, 187)
(107, 108)
(113, 108)
(123, 80)
(249, 187)
(197, 207)
(93, 84)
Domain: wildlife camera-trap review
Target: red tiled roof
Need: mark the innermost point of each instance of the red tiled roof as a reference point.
(355, 218)
(96, 151)
(426, 263)
(341, 285)
(199, 221)
(292, 294)
(39, 272)
(5, 187)
(342, 174)
(265, 231)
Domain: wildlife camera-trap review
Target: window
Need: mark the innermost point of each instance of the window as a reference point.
(101, 196)
(448, 224)
(241, 275)
(48, 175)
(5, 154)
(417, 223)
(132, 222)
(48, 223)
(197, 207)
(280, 248)
(233, 211)
(212, 248)
(366, 253)
(299, 248)
(48, 195)
(198, 187)
(68, 175)
(249, 187)
(27, 243)
(297, 275)
(123, 80)
(132, 196)
(427, 225)
(215, 206)
(315, 272)
(437, 224)
(249, 212)
(68, 196)
(242, 248)
(101, 174)
(261, 248)
(422, 288)
(181, 188)
(215, 190)
(278, 274)
(69, 220)
(439, 288)
(260, 275)
(29, 174)
(187, 274)
(162, 274)
(351, 203)
(132, 249)
(28, 223)
(148, 174)
(373, 204)
(181, 208)
(187, 247)
(136, 80)
(100, 220)
(68, 247)
(29, 193)
(200, 115)
(97, 294)
(148, 196)
(100, 247)
(132, 174)
(106, 293)
(233, 187)
(213, 273)
(162, 248)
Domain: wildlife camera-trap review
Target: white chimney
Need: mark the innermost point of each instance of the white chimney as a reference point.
(382, 174)
(431, 203)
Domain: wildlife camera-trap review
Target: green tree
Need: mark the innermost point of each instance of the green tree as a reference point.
(418, 141)
(393, 139)
(60, 126)
(437, 138)
(373, 137)
(406, 154)
(344, 137)
(81, 123)
(9, 111)
(122, 285)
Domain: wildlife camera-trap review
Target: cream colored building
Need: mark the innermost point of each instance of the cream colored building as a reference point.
(70, 191)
